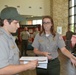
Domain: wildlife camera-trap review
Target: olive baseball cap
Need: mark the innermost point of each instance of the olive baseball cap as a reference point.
(11, 13)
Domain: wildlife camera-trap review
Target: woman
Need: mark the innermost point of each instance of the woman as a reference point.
(46, 43)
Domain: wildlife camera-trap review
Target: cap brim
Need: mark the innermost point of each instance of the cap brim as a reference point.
(19, 18)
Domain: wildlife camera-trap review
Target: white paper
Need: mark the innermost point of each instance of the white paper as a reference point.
(42, 61)
(43, 66)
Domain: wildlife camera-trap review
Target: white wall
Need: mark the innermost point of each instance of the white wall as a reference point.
(24, 6)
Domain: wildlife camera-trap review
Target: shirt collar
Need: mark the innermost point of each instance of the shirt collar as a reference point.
(43, 34)
(3, 31)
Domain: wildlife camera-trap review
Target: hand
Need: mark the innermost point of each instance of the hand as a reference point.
(33, 64)
(48, 55)
(73, 60)
(21, 61)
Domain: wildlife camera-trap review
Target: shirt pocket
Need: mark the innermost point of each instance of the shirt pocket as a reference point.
(13, 55)
(42, 46)
(53, 45)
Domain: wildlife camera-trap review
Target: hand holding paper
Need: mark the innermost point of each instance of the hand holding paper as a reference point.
(42, 61)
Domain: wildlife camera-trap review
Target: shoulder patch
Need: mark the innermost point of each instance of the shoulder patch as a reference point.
(60, 37)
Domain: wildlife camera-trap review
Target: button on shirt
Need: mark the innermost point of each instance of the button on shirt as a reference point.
(49, 44)
(9, 52)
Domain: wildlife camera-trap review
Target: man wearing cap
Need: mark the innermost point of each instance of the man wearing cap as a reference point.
(9, 52)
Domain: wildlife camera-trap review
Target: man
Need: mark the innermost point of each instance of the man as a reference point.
(24, 36)
(9, 53)
(36, 31)
(68, 38)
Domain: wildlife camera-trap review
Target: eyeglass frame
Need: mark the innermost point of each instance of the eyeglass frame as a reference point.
(46, 22)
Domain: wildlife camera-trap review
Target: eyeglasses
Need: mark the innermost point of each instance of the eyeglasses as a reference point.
(46, 22)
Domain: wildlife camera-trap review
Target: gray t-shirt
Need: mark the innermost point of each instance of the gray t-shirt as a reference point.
(48, 43)
(9, 52)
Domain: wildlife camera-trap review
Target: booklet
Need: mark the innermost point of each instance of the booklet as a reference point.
(42, 61)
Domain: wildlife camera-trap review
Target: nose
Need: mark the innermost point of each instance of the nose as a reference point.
(18, 25)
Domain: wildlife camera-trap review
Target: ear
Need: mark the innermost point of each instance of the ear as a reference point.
(5, 22)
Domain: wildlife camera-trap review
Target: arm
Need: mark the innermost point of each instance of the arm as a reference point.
(66, 52)
(38, 52)
(13, 69)
(69, 55)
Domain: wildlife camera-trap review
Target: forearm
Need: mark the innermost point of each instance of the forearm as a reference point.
(47, 54)
(42, 53)
(13, 69)
(37, 52)
(66, 53)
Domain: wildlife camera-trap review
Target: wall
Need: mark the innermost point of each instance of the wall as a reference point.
(28, 7)
(60, 14)
(58, 9)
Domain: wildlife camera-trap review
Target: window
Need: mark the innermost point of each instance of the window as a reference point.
(72, 15)
(34, 22)
(29, 22)
(37, 22)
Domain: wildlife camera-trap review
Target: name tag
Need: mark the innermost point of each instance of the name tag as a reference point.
(40, 40)
(13, 47)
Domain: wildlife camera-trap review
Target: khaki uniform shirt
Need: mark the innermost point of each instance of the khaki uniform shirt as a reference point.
(49, 44)
(24, 35)
(9, 52)
(36, 32)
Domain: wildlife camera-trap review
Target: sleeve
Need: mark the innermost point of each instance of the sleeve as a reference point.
(35, 43)
(28, 34)
(61, 42)
(3, 53)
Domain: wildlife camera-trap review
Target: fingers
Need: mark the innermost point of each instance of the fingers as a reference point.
(74, 64)
(73, 57)
(49, 56)
(21, 62)
(34, 64)
(73, 60)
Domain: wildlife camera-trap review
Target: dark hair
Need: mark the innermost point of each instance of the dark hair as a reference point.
(52, 27)
(1, 21)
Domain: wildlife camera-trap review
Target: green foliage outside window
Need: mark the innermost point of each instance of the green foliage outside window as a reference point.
(72, 27)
